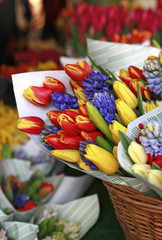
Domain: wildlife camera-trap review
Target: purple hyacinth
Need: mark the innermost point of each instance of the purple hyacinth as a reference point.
(64, 101)
(50, 129)
(95, 83)
(82, 148)
(155, 84)
(105, 103)
(21, 200)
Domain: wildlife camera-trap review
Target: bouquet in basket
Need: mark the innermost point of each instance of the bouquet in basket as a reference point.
(76, 114)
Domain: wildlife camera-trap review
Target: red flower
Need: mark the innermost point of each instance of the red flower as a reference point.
(156, 159)
(33, 125)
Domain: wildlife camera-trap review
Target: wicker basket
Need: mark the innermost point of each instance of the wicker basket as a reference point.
(140, 216)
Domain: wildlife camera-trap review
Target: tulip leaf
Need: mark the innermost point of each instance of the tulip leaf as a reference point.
(155, 166)
(110, 82)
(140, 101)
(118, 118)
(103, 143)
(143, 81)
(156, 44)
(112, 75)
(125, 140)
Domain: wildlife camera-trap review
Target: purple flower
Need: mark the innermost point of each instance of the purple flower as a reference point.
(21, 200)
(97, 82)
(155, 85)
(105, 103)
(64, 101)
(50, 129)
(82, 148)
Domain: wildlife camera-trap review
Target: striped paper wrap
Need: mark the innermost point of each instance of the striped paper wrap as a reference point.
(84, 210)
(132, 132)
(20, 230)
(115, 56)
(5, 217)
(26, 108)
(22, 170)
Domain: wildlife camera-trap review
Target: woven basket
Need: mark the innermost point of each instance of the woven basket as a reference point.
(140, 216)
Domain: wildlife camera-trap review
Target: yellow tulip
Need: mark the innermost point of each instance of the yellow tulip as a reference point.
(82, 165)
(126, 114)
(137, 153)
(154, 176)
(68, 155)
(140, 168)
(104, 160)
(114, 128)
(124, 93)
(115, 150)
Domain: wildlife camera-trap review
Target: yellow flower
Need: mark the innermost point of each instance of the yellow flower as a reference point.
(82, 165)
(68, 155)
(104, 160)
(115, 151)
(154, 176)
(114, 128)
(124, 93)
(140, 168)
(137, 153)
(126, 114)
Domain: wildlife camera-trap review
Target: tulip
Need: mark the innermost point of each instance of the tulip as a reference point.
(68, 155)
(85, 66)
(71, 142)
(114, 128)
(39, 96)
(134, 87)
(75, 85)
(45, 190)
(54, 141)
(90, 136)
(75, 72)
(147, 93)
(140, 168)
(33, 125)
(125, 77)
(52, 115)
(80, 96)
(83, 166)
(104, 160)
(68, 124)
(126, 114)
(154, 176)
(115, 152)
(54, 85)
(150, 106)
(71, 113)
(84, 123)
(137, 153)
(83, 110)
(135, 72)
(124, 93)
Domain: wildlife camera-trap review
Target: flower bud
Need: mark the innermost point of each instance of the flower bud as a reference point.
(85, 66)
(45, 190)
(54, 85)
(75, 72)
(140, 168)
(39, 96)
(71, 142)
(124, 93)
(68, 124)
(72, 113)
(54, 141)
(90, 136)
(104, 160)
(84, 123)
(68, 155)
(114, 128)
(126, 114)
(33, 125)
(154, 176)
(137, 153)
(52, 115)
(125, 77)
(135, 72)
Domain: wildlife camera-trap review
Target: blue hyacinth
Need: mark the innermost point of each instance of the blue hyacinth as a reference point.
(82, 148)
(155, 84)
(95, 83)
(64, 101)
(21, 200)
(105, 103)
(50, 129)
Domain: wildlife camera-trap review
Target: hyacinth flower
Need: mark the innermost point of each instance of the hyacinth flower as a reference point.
(87, 162)
(64, 101)
(105, 104)
(54, 85)
(39, 96)
(33, 125)
(96, 83)
(49, 129)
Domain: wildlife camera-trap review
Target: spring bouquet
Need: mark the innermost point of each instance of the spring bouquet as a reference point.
(76, 115)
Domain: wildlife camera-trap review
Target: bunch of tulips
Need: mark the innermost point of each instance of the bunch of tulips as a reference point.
(85, 127)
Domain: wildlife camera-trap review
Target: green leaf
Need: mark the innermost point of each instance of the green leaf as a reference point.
(110, 82)
(112, 75)
(155, 166)
(140, 101)
(9, 192)
(156, 44)
(125, 140)
(117, 115)
(143, 81)
(6, 151)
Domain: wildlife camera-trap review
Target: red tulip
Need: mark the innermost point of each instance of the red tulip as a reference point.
(39, 96)
(84, 123)
(125, 77)
(45, 190)
(29, 205)
(135, 72)
(75, 72)
(147, 93)
(54, 85)
(76, 85)
(86, 136)
(33, 125)
(85, 66)
(52, 115)
(71, 142)
(83, 110)
(71, 113)
(54, 141)
(68, 124)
